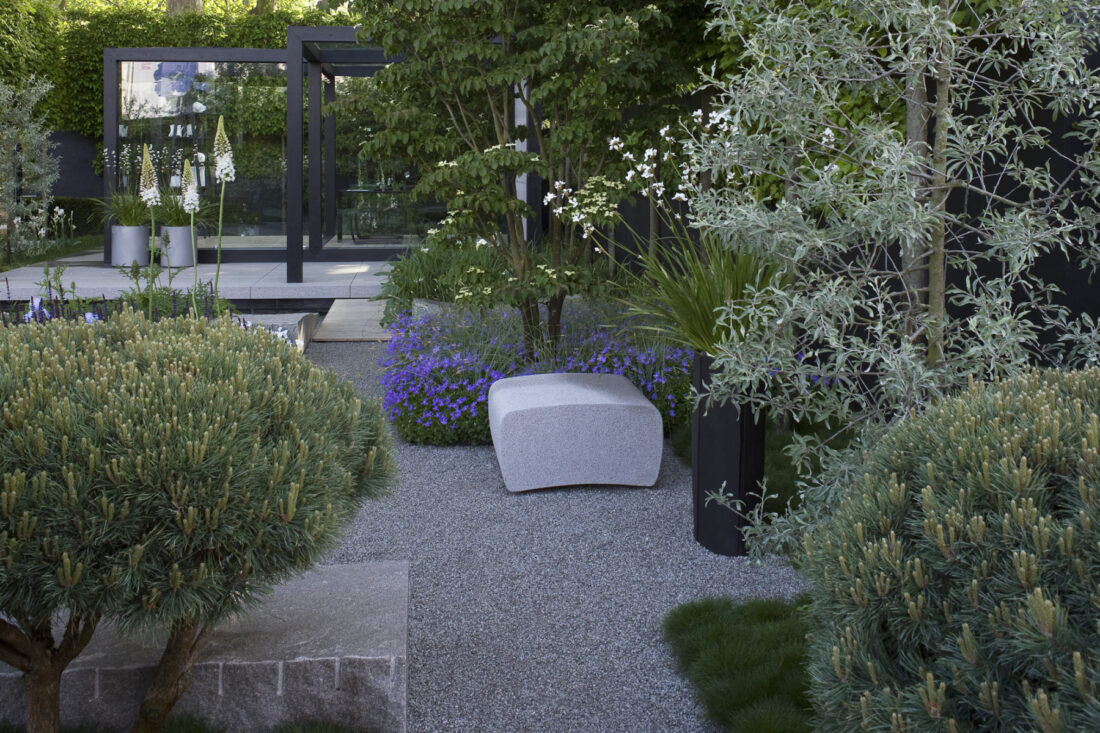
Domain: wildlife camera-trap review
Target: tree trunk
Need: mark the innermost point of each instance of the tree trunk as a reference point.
(553, 317)
(937, 264)
(179, 7)
(612, 246)
(654, 229)
(530, 317)
(265, 6)
(914, 264)
(172, 676)
(43, 685)
(29, 647)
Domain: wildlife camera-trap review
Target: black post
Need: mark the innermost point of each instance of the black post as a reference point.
(315, 175)
(294, 79)
(330, 160)
(727, 445)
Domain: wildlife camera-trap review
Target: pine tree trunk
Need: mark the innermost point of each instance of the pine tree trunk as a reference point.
(43, 685)
(172, 675)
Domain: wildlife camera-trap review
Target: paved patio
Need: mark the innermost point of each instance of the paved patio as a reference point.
(238, 280)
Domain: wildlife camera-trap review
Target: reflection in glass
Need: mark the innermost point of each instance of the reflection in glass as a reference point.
(174, 107)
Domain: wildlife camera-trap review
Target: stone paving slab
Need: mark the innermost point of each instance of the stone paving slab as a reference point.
(353, 320)
(330, 644)
(238, 280)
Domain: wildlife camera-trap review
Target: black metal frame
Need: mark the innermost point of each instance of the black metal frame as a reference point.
(307, 63)
(111, 59)
(318, 69)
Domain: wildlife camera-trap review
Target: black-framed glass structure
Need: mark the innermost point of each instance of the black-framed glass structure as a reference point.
(299, 194)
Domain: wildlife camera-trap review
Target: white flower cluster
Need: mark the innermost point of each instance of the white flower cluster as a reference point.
(584, 208)
(190, 189)
(223, 155)
(150, 192)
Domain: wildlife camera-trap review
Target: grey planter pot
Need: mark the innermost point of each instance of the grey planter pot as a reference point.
(177, 252)
(129, 244)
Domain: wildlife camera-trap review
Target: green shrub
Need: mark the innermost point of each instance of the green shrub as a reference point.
(746, 661)
(433, 272)
(957, 586)
(27, 35)
(166, 475)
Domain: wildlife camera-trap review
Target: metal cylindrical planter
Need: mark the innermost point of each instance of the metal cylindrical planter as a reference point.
(175, 247)
(727, 445)
(129, 244)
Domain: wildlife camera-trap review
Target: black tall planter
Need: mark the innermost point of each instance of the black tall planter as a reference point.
(727, 444)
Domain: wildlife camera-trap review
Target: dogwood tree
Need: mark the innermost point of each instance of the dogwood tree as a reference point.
(488, 93)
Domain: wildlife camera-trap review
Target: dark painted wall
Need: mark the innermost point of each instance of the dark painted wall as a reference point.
(76, 155)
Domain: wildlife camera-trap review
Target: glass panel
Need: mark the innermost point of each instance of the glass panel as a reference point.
(375, 206)
(174, 107)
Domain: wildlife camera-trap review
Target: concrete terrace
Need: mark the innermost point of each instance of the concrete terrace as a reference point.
(239, 281)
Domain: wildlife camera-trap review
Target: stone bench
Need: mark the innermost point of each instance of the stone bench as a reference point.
(569, 429)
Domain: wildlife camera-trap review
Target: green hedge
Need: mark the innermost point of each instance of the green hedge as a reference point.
(76, 100)
(27, 39)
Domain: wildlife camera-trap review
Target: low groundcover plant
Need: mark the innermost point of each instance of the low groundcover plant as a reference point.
(439, 367)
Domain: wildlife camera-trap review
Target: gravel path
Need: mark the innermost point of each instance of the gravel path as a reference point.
(539, 611)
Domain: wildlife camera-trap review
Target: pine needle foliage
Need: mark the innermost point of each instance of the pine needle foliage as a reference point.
(956, 587)
(165, 474)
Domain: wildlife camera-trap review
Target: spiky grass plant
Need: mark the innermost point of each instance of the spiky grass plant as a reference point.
(165, 475)
(687, 285)
(956, 585)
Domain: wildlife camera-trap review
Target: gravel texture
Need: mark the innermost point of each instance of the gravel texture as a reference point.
(539, 611)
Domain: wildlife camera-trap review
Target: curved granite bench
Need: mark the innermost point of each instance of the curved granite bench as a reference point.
(568, 429)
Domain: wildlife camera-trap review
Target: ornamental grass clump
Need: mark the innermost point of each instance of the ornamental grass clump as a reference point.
(164, 475)
(956, 586)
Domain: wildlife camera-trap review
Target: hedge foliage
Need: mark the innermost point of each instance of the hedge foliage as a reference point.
(27, 37)
(76, 66)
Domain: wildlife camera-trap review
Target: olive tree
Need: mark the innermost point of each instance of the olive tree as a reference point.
(907, 164)
(28, 168)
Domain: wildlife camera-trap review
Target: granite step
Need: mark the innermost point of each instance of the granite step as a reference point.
(329, 645)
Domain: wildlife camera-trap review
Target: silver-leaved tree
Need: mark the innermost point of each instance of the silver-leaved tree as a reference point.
(909, 163)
